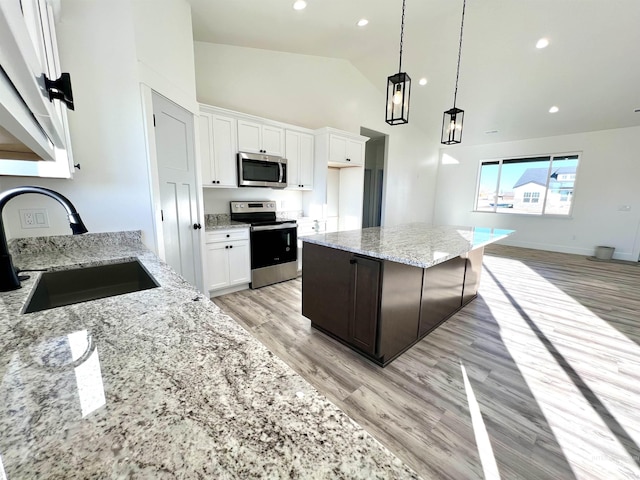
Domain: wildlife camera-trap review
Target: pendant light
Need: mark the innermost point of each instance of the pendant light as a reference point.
(398, 89)
(453, 118)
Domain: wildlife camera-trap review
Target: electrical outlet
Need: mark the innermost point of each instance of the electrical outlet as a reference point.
(34, 218)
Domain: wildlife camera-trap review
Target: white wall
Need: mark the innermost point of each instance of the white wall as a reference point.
(607, 179)
(164, 49)
(317, 92)
(107, 46)
(111, 191)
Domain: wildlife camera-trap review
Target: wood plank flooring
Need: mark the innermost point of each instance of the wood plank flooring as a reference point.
(551, 351)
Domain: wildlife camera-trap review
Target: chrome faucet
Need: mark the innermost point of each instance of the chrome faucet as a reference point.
(9, 279)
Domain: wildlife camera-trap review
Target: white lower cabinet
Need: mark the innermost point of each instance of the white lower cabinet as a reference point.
(228, 260)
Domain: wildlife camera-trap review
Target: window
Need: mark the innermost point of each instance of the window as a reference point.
(534, 186)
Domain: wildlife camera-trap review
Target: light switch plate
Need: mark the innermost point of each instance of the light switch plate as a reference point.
(34, 218)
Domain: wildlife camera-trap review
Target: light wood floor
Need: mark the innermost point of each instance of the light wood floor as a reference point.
(537, 378)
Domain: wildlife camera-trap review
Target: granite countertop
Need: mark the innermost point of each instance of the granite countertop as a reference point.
(157, 384)
(221, 221)
(417, 244)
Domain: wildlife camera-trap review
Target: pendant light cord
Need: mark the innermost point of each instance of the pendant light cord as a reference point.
(401, 36)
(455, 94)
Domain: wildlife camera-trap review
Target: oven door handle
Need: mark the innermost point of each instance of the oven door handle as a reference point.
(273, 227)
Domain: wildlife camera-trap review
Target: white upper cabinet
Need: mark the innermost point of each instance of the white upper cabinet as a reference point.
(34, 135)
(345, 151)
(218, 148)
(299, 153)
(260, 138)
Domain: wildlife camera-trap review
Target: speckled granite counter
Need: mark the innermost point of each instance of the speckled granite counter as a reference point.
(158, 384)
(221, 221)
(417, 244)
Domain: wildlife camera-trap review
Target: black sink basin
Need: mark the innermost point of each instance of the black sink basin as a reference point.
(66, 287)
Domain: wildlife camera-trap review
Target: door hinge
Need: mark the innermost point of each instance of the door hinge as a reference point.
(162, 215)
(60, 89)
(154, 119)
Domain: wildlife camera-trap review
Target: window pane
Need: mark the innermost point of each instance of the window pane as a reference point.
(487, 187)
(522, 185)
(562, 179)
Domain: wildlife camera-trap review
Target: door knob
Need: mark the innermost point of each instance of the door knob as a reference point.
(197, 226)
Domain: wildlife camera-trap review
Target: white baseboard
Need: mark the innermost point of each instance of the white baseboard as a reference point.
(588, 252)
(224, 291)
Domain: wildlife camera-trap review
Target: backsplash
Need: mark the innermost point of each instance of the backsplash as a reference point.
(215, 219)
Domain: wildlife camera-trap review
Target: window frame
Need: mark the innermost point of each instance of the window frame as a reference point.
(543, 196)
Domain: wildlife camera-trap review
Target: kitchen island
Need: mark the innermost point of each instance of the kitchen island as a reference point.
(380, 290)
(157, 384)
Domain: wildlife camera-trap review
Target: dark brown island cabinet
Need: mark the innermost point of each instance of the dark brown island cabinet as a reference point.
(378, 307)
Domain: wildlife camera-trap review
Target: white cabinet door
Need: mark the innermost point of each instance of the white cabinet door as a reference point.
(299, 153)
(305, 161)
(228, 258)
(239, 263)
(345, 151)
(249, 136)
(292, 149)
(258, 138)
(217, 265)
(218, 150)
(272, 140)
(224, 151)
(337, 149)
(207, 167)
(355, 152)
(36, 127)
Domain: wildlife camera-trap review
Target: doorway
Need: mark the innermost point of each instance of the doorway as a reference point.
(374, 162)
(175, 150)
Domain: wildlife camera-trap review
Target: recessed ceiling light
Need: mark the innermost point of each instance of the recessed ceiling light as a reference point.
(554, 109)
(300, 5)
(422, 81)
(542, 43)
(362, 22)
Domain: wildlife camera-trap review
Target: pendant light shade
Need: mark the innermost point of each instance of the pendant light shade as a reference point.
(453, 118)
(452, 126)
(398, 89)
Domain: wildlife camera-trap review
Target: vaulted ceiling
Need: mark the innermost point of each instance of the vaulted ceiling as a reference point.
(590, 70)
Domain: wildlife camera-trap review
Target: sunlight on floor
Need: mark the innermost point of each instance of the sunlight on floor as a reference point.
(485, 452)
(537, 340)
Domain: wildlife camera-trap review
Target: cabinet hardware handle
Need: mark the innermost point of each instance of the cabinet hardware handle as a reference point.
(197, 226)
(230, 246)
(228, 235)
(352, 261)
(226, 246)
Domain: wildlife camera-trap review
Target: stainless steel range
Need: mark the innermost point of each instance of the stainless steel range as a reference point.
(274, 246)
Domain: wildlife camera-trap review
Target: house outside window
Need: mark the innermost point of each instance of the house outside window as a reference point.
(535, 185)
(531, 197)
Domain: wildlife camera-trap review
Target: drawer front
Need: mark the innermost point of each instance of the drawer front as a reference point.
(227, 235)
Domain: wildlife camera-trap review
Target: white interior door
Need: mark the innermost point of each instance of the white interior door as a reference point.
(175, 152)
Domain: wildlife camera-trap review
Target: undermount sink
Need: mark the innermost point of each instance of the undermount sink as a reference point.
(66, 287)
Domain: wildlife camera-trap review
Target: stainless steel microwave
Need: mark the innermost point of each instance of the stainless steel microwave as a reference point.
(261, 170)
